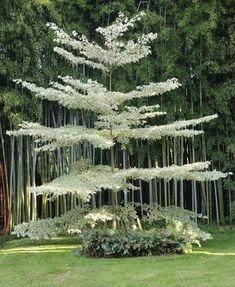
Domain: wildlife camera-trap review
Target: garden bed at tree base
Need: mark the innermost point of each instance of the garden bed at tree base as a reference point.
(108, 243)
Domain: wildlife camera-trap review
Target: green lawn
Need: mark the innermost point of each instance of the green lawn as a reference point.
(26, 263)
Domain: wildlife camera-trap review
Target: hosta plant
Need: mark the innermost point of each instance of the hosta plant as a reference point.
(114, 243)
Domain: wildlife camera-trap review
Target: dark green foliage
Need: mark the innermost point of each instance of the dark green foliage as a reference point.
(164, 231)
(109, 243)
(4, 238)
(17, 107)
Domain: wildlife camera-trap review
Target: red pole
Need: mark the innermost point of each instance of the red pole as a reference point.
(4, 211)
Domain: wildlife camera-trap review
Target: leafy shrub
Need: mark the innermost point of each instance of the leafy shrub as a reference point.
(44, 228)
(110, 243)
(176, 221)
(165, 230)
(70, 222)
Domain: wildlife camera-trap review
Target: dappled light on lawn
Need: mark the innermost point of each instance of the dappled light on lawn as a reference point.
(46, 263)
(37, 249)
(214, 253)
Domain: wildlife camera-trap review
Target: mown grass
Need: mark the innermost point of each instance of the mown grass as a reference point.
(26, 263)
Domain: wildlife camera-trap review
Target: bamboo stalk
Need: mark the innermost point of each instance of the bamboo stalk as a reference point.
(140, 181)
(124, 167)
(181, 181)
(11, 210)
(4, 156)
(175, 181)
(150, 182)
(113, 197)
(7, 188)
(33, 176)
(156, 191)
(221, 201)
(216, 203)
(164, 164)
(194, 187)
(230, 201)
(19, 189)
(160, 191)
(168, 164)
(207, 203)
(27, 193)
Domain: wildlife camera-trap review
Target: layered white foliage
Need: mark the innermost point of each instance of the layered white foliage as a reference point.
(70, 222)
(175, 129)
(93, 179)
(191, 171)
(132, 116)
(79, 60)
(92, 96)
(113, 124)
(118, 28)
(84, 183)
(115, 53)
(52, 138)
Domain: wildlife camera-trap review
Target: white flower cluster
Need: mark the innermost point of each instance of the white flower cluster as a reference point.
(102, 216)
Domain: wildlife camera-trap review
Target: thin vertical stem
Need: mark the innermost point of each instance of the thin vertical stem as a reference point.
(175, 181)
(164, 164)
(216, 203)
(230, 201)
(150, 182)
(194, 189)
(124, 167)
(4, 156)
(113, 198)
(181, 181)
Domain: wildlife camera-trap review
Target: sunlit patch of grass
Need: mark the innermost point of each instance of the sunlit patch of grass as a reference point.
(214, 253)
(48, 263)
(55, 241)
(37, 249)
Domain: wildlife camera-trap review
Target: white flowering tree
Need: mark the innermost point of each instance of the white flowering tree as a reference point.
(113, 124)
